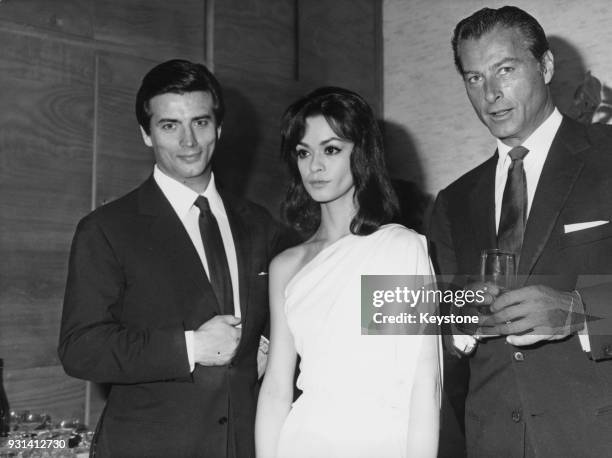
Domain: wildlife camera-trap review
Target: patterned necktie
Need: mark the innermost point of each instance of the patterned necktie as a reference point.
(514, 205)
(218, 268)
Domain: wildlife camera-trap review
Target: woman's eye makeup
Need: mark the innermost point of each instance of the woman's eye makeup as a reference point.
(332, 149)
(301, 153)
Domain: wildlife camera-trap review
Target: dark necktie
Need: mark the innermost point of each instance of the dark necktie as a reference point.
(218, 268)
(514, 205)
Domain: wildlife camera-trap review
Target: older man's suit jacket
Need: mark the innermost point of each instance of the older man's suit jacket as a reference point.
(549, 399)
(135, 284)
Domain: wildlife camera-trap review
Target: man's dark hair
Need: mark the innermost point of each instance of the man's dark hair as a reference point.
(352, 119)
(177, 77)
(511, 17)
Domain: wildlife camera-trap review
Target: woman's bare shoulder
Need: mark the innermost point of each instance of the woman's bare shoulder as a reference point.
(286, 264)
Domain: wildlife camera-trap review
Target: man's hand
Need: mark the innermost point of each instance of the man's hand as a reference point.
(533, 314)
(484, 294)
(215, 342)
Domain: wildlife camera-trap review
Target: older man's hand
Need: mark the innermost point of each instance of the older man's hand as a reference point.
(483, 294)
(535, 313)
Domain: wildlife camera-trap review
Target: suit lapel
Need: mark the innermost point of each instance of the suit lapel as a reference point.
(242, 242)
(481, 206)
(561, 169)
(172, 241)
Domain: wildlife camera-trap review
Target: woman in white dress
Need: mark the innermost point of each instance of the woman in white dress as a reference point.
(362, 395)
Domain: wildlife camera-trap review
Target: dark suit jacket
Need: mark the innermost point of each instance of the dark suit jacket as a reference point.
(135, 284)
(553, 391)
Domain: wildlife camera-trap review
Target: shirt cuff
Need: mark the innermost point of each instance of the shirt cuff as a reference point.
(464, 343)
(189, 344)
(583, 334)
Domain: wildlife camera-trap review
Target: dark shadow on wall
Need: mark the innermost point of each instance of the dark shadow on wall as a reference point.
(569, 73)
(239, 143)
(576, 91)
(407, 174)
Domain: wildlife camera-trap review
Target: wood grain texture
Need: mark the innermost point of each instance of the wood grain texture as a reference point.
(435, 135)
(338, 45)
(45, 61)
(123, 160)
(255, 36)
(45, 390)
(67, 17)
(45, 179)
(45, 174)
(156, 29)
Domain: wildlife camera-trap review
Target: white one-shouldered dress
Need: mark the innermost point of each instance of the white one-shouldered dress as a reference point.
(356, 389)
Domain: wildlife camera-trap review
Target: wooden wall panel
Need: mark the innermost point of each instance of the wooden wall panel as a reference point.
(56, 62)
(256, 37)
(339, 45)
(46, 389)
(69, 17)
(122, 159)
(45, 176)
(155, 29)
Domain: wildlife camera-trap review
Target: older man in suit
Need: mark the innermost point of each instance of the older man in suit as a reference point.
(166, 297)
(542, 386)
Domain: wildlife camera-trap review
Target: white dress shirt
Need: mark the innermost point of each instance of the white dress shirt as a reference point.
(182, 200)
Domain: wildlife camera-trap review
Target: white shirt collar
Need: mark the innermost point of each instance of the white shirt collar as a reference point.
(182, 198)
(538, 143)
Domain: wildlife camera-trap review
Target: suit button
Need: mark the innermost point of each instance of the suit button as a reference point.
(230, 365)
(519, 356)
(607, 350)
(222, 420)
(516, 416)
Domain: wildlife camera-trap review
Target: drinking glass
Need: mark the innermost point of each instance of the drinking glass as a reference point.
(498, 267)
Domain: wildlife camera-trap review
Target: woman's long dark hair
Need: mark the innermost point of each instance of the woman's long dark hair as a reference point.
(352, 119)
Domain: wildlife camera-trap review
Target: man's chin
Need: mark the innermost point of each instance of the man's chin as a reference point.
(193, 173)
(500, 132)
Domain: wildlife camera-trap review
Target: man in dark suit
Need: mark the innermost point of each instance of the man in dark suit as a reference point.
(180, 351)
(543, 386)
